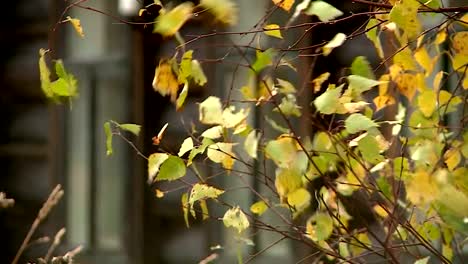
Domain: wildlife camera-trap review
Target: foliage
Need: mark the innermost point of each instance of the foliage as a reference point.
(406, 156)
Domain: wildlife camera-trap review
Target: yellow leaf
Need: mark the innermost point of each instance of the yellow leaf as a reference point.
(464, 20)
(224, 11)
(259, 208)
(320, 80)
(76, 25)
(202, 191)
(404, 14)
(465, 82)
(406, 84)
(222, 153)
(213, 132)
(187, 145)
(211, 111)
(380, 211)
(165, 81)
(299, 200)
(204, 208)
(383, 86)
(355, 107)
(405, 60)
(452, 158)
(427, 102)
(437, 79)
(168, 23)
(422, 189)
(459, 62)
(231, 118)
(460, 42)
(423, 58)
(251, 144)
(159, 193)
(185, 208)
(234, 217)
(273, 30)
(284, 4)
(287, 181)
(440, 38)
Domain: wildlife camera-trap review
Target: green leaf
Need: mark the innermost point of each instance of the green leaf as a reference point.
(404, 14)
(185, 208)
(336, 41)
(199, 150)
(277, 127)
(358, 122)
(211, 111)
(182, 96)
(205, 211)
(287, 181)
(154, 162)
(185, 69)
(235, 218)
(172, 168)
(324, 11)
(273, 30)
(359, 84)
(251, 144)
(361, 67)
(44, 74)
(328, 102)
(369, 148)
(288, 106)
(133, 128)
(263, 59)
(282, 151)
(259, 208)
(202, 191)
(66, 85)
(108, 132)
(169, 23)
(285, 86)
(198, 75)
(319, 227)
(224, 11)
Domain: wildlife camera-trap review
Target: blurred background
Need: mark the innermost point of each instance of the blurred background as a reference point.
(108, 207)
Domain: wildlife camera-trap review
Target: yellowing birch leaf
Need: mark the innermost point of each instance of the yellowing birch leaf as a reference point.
(154, 162)
(182, 96)
(159, 193)
(282, 151)
(404, 14)
(319, 227)
(427, 102)
(198, 76)
(452, 158)
(185, 208)
(187, 145)
(382, 101)
(224, 11)
(273, 30)
(299, 200)
(464, 20)
(235, 218)
(222, 153)
(460, 42)
(459, 62)
(213, 132)
(168, 23)
(337, 41)
(437, 79)
(231, 118)
(204, 208)
(44, 74)
(328, 102)
(165, 81)
(358, 122)
(211, 111)
(171, 169)
(287, 181)
(317, 82)
(355, 107)
(202, 191)
(422, 189)
(259, 208)
(372, 35)
(405, 59)
(133, 128)
(440, 37)
(284, 4)
(76, 25)
(185, 68)
(285, 86)
(406, 84)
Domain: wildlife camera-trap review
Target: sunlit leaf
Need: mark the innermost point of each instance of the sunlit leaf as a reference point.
(44, 74)
(323, 10)
(362, 67)
(186, 146)
(198, 75)
(452, 158)
(422, 57)
(235, 218)
(154, 163)
(231, 118)
(359, 84)
(276, 126)
(273, 30)
(224, 11)
(355, 107)
(205, 211)
(288, 106)
(328, 102)
(422, 188)
(202, 191)
(251, 144)
(133, 128)
(427, 102)
(422, 261)
(108, 132)
(299, 200)
(169, 23)
(263, 59)
(199, 150)
(404, 14)
(285, 86)
(437, 79)
(185, 68)
(382, 101)
(76, 25)
(282, 151)
(172, 168)
(460, 42)
(407, 85)
(369, 148)
(336, 41)
(222, 153)
(165, 81)
(452, 206)
(182, 96)
(259, 208)
(213, 132)
(284, 4)
(319, 227)
(358, 122)
(287, 181)
(211, 111)
(405, 59)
